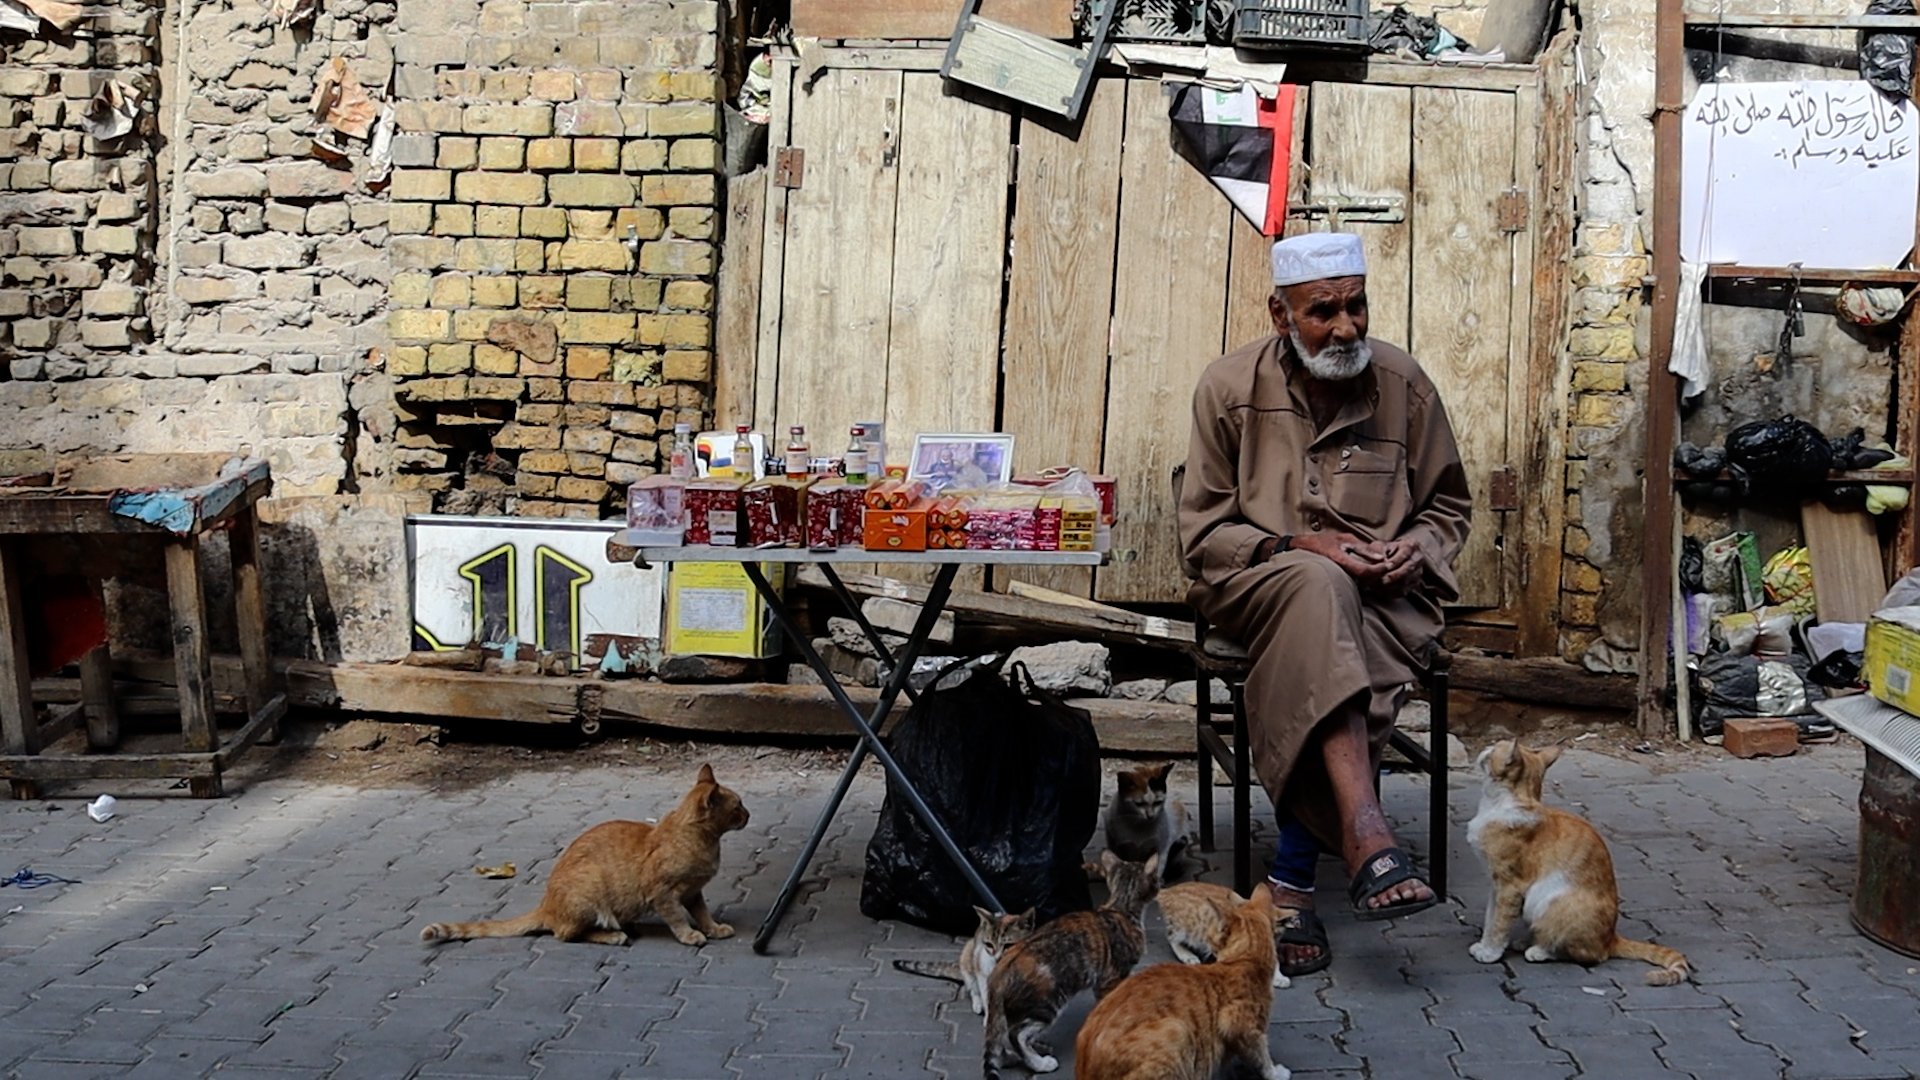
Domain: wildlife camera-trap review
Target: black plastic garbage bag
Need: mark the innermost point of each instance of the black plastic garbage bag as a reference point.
(1886, 60)
(1731, 685)
(1785, 458)
(1693, 563)
(1694, 461)
(1014, 775)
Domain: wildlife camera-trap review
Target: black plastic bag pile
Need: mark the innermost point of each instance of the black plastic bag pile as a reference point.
(1784, 459)
(1886, 60)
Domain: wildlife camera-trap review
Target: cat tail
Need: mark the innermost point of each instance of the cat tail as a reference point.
(1672, 964)
(947, 970)
(529, 923)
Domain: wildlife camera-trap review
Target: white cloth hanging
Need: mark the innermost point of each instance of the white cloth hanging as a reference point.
(1689, 359)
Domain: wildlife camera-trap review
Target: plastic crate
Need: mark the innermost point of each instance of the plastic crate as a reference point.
(1332, 25)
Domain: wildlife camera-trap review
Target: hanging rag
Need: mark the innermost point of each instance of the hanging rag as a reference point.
(1689, 360)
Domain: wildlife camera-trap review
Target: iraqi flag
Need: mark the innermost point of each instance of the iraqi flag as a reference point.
(1241, 141)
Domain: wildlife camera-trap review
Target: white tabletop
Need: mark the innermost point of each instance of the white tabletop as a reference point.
(969, 557)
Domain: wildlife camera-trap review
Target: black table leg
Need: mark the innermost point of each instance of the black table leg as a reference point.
(866, 627)
(868, 727)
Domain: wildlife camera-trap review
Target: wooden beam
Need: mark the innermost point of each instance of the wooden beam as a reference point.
(1387, 72)
(1103, 624)
(1659, 521)
(1543, 681)
(1909, 23)
(1813, 275)
(907, 19)
(736, 334)
(1904, 552)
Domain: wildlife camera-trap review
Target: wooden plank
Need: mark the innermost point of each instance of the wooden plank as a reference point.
(1169, 315)
(892, 59)
(1904, 552)
(1828, 276)
(1381, 71)
(187, 607)
(736, 333)
(943, 351)
(19, 727)
(96, 690)
(1359, 151)
(1038, 72)
(1542, 680)
(1060, 293)
(1849, 579)
(838, 276)
(1659, 518)
(1543, 525)
(1462, 295)
(898, 19)
(773, 246)
(1102, 623)
(1805, 22)
(1525, 137)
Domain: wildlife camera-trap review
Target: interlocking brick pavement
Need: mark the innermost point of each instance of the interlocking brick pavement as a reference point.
(274, 934)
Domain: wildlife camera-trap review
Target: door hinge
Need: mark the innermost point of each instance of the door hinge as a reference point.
(789, 166)
(1512, 209)
(1337, 209)
(1503, 489)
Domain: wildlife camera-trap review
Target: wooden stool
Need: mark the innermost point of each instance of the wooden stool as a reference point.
(174, 500)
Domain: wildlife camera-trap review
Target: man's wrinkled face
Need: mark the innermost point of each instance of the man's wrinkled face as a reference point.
(1327, 322)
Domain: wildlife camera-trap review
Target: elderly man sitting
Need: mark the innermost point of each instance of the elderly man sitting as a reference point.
(1323, 505)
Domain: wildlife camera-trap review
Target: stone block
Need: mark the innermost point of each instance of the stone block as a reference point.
(687, 332)
(471, 325)
(496, 221)
(691, 222)
(111, 298)
(590, 224)
(543, 461)
(524, 437)
(1749, 737)
(588, 362)
(421, 185)
(33, 175)
(595, 328)
(502, 189)
(494, 360)
(636, 367)
(633, 423)
(677, 258)
(452, 219)
(687, 365)
(644, 155)
(694, 86)
(112, 239)
(600, 85)
(409, 290)
(588, 118)
(590, 293)
(694, 155)
(282, 217)
(588, 441)
(106, 334)
(505, 85)
(583, 463)
(458, 152)
(597, 396)
(537, 340)
(544, 222)
(449, 358)
(525, 120)
(310, 180)
(489, 255)
(33, 334)
(689, 295)
(496, 389)
(503, 152)
(494, 292)
(407, 360)
(581, 489)
(272, 251)
(451, 388)
(450, 291)
(612, 191)
(414, 325)
(676, 190)
(46, 240)
(410, 219)
(117, 206)
(596, 155)
(329, 218)
(233, 182)
(552, 85)
(195, 289)
(542, 292)
(690, 118)
(549, 155)
(24, 82)
(414, 151)
(596, 255)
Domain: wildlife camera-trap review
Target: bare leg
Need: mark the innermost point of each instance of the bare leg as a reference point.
(1350, 769)
(697, 907)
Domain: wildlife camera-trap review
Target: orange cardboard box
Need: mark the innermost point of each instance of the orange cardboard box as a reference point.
(897, 530)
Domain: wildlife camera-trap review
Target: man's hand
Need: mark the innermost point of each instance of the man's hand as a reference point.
(1403, 565)
(1385, 567)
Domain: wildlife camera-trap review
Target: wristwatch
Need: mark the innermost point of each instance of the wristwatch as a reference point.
(1274, 545)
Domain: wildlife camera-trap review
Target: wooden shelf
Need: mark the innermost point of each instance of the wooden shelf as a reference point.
(1806, 22)
(1813, 275)
(1894, 477)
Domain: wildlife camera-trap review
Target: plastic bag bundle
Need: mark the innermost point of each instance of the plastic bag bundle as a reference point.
(1788, 576)
(1886, 60)
(1786, 458)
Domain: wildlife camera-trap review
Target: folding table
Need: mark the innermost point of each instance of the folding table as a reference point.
(945, 564)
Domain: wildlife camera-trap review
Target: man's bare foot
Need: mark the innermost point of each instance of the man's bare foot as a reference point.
(1370, 838)
(1403, 893)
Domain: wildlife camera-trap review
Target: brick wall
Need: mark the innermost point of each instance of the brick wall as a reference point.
(509, 320)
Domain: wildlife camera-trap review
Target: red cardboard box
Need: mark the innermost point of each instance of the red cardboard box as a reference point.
(713, 512)
(774, 510)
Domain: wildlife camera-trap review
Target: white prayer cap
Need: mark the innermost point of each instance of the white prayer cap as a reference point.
(1315, 256)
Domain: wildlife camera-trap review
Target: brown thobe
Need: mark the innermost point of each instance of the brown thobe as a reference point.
(1384, 468)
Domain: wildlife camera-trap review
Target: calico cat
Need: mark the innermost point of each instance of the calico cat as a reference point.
(978, 956)
(1199, 916)
(1173, 1022)
(1552, 868)
(1143, 820)
(1075, 952)
(618, 871)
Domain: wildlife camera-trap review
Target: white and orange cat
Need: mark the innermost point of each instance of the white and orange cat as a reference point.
(1191, 1022)
(619, 872)
(1551, 868)
(1199, 917)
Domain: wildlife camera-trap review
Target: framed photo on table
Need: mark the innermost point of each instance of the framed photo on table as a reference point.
(962, 460)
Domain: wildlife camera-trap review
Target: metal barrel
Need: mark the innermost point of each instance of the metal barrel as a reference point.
(1886, 895)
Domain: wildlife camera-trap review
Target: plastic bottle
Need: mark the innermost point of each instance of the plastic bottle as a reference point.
(799, 459)
(680, 466)
(743, 451)
(854, 465)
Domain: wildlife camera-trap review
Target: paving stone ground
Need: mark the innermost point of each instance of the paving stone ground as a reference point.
(273, 934)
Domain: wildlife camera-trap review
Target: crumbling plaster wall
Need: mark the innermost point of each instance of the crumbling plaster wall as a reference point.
(1844, 381)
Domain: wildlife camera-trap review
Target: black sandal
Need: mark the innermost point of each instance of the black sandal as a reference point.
(1303, 927)
(1379, 872)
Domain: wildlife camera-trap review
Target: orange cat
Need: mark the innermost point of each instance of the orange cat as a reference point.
(618, 871)
(1183, 1022)
(1552, 868)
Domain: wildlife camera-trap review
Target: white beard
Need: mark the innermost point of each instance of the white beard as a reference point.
(1335, 363)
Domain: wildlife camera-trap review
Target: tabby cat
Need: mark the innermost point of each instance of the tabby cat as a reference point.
(1172, 1022)
(978, 955)
(1200, 914)
(619, 871)
(1552, 868)
(1143, 820)
(1077, 951)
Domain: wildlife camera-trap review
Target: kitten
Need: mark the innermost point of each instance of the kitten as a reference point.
(1200, 914)
(1171, 1022)
(1552, 868)
(1142, 820)
(978, 956)
(1077, 951)
(618, 871)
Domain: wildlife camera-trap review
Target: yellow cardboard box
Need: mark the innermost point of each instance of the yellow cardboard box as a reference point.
(1893, 657)
(713, 610)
